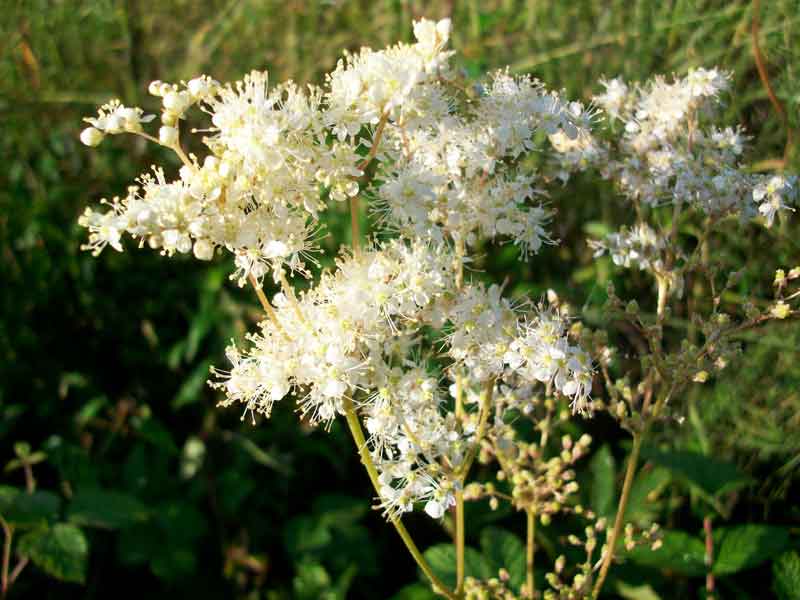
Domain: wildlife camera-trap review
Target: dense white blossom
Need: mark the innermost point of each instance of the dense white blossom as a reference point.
(390, 328)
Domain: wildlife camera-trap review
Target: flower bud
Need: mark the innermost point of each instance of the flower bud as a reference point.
(203, 250)
(91, 136)
(168, 135)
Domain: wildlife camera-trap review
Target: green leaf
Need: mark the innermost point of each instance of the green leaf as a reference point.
(174, 562)
(786, 576)
(106, 509)
(711, 476)
(306, 534)
(339, 510)
(746, 546)
(192, 387)
(415, 591)
(504, 550)
(679, 552)
(312, 582)
(603, 488)
(643, 505)
(442, 559)
(636, 592)
(61, 552)
(152, 431)
(138, 544)
(37, 508)
(8, 494)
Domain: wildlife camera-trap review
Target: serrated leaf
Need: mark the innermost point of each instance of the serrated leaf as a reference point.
(504, 550)
(61, 551)
(786, 576)
(106, 509)
(711, 476)
(38, 508)
(746, 546)
(602, 491)
(442, 559)
(680, 553)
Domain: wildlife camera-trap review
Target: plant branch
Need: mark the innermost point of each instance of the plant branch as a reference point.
(762, 74)
(709, 558)
(619, 520)
(361, 444)
(530, 549)
(8, 534)
(486, 406)
(265, 304)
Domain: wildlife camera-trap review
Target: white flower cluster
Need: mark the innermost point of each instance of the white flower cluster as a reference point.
(457, 175)
(669, 151)
(336, 339)
(541, 352)
(444, 172)
(638, 246)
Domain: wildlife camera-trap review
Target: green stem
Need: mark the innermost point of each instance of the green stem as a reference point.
(619, 520)
(8, 534)
(459, 541)
(530, 550)
(486, 407)
(358, 436)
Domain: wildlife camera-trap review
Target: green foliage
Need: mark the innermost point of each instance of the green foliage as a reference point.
(442, 559)
(786, 576)
(680, 553)
(61, 551)
(603, 485)
(503, 549)
(708, 476)
(107, 509)
(746, 546)
(28, 510)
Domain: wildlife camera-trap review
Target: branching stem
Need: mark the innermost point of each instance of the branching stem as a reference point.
(354, 425)
(619, 520)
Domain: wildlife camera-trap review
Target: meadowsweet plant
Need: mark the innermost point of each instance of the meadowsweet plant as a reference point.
(433, 370)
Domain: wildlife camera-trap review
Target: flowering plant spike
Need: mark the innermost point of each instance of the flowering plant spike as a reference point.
(444, 167)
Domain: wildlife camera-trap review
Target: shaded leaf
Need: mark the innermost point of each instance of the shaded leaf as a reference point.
(680, 553)
(643, 502)
(104, 508)
(636, 592)
(708, 475)
(338, 509)
(415, 591)
(8, 494)
(786, 576)
(174, 562)
(746, 546)
(34, 509)
(603, 486)
(306, 534)
(442, 559)
(504, 550)
(192, 387)
(61, 552)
